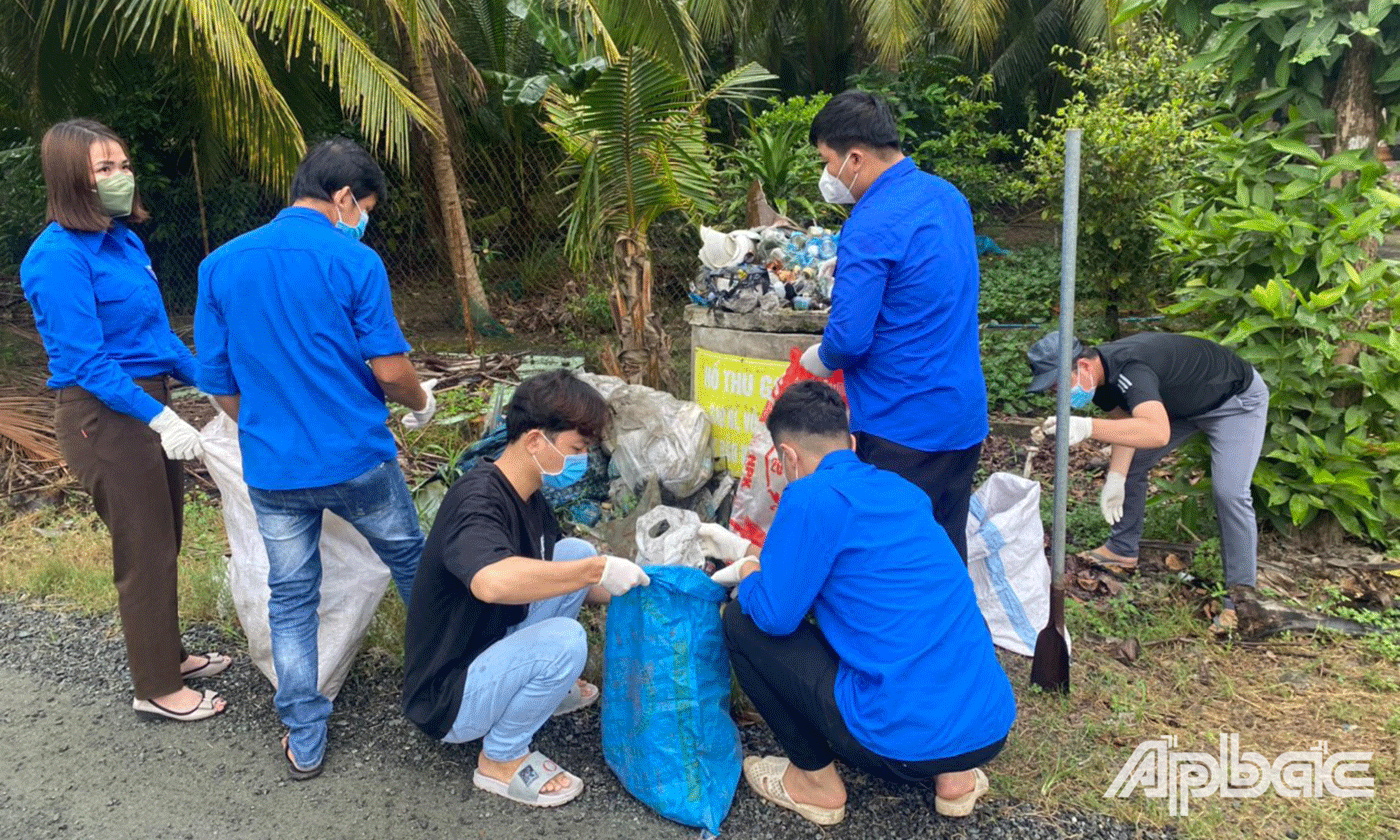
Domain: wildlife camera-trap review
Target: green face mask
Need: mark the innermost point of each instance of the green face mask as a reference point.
(116, 192)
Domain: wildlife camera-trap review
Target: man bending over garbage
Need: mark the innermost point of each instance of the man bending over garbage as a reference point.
(492, 647)
(897, 676)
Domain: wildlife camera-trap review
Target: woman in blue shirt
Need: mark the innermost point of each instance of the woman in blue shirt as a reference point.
(111, 353)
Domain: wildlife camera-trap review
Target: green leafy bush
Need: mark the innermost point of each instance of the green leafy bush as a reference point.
(1275, 246)
(945, 121)
(1139, 109)
(774, 151)
(21, 204)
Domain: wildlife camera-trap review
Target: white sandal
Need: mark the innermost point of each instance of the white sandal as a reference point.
(524, 787)
(765, 776)
(963, 805)
(582, 694)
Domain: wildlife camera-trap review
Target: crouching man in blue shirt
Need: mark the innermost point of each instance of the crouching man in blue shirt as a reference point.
(897, 676)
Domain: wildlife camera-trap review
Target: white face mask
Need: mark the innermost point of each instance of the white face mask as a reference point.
(833, 188)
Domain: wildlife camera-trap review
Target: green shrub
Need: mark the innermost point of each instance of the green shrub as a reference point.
(1275, 247)
(945, 122)
(21, 204)
(1138, 109)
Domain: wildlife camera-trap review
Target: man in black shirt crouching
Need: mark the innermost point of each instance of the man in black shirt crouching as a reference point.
(492, 646)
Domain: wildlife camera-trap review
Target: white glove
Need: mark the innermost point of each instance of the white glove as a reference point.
(419, 419)
(621, 574)
(1111, 497)
(178, 438)
(728, 577)
(1080, 428)
(812, 360)
(721, 543)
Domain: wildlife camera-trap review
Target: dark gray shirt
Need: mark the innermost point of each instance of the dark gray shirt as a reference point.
(1188, 375)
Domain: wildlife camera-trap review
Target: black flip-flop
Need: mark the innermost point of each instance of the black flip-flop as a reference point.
(297, 774)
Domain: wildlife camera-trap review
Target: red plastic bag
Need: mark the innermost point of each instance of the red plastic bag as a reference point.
(762, 482)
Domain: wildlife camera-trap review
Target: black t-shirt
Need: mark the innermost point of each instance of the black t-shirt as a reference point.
(482, 520)
(1188, 375)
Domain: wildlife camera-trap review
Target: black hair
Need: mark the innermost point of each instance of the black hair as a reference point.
(808, 408)
(336, 163)
(855, 118)
(556, 402)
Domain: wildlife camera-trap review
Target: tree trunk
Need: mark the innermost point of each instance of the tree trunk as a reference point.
(1354, 102)
(458, 242)
(1358, 119)
(645, 355)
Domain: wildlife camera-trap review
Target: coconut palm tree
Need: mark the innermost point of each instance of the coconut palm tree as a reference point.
(233, 53)
(636, 140)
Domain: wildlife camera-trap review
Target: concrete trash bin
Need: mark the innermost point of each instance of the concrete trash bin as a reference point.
(735, 360)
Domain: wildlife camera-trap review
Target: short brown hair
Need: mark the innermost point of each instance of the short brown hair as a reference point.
(67, 159)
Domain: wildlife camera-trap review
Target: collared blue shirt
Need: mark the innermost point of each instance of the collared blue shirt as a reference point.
(288, 315)
(903, 323)
(859, 547)
(99, 312)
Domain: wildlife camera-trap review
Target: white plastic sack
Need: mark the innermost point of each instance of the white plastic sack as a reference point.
(668, 536)
(1006, 560)
(353, 578)
(760, 487)
(655, 435)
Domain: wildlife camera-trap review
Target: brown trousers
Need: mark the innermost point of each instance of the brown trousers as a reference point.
(140, 495)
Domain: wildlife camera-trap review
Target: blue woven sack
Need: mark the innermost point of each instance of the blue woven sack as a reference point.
(667, 733)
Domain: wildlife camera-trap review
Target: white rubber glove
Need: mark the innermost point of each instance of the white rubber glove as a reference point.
(1111, 497)
(812, 360)
(1080, 428)
(728, 577)
(621, 574)
(419, 419)
(178, 438)
(721, 543)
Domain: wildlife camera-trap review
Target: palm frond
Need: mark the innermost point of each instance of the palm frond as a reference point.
(888, 26)
(28, 423)
(371, 92)
(663, 28)
(637, 149)
(973, 25)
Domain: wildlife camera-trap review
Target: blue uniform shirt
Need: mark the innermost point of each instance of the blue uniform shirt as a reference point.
(99, 312)
(903, 324)
(288, 316)
(859, 548)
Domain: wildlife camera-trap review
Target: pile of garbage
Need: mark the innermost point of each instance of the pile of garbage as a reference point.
(766, 269)
(658, 451)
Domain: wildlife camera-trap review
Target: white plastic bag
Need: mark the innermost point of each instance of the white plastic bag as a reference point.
(668, 536)
(760, 486)
(655, 435)
(353, 578)
(1006, 560)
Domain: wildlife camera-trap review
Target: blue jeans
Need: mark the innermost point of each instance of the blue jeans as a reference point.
(378, 505)
(514, 685)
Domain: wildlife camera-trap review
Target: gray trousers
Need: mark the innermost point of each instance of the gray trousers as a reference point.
(1235, 430)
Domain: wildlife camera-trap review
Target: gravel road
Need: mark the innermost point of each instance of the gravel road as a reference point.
(79, 764)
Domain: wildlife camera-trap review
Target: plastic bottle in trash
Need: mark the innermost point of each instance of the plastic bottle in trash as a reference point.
(827, 247)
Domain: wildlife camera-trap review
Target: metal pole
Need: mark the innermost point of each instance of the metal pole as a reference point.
(1069, 237)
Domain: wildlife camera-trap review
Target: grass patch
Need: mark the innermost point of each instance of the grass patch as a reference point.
(1280, 696)
(66, 556)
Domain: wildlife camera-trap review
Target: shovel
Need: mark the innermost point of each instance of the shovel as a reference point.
(1050, 664)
